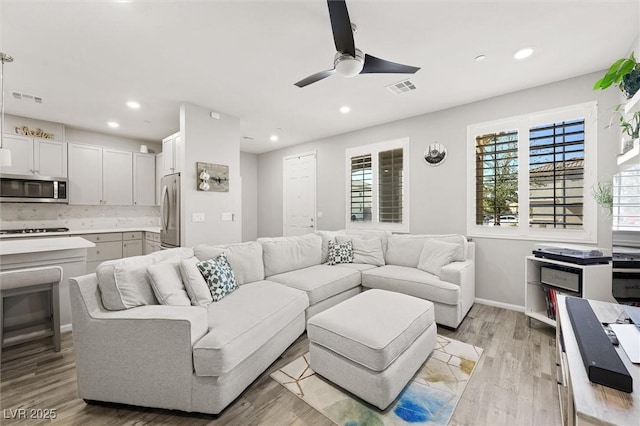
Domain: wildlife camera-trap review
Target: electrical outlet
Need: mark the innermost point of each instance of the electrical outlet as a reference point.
(319, 215)
(226, 217)
(197, 217)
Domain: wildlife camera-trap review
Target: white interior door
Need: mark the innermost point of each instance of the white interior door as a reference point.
(299, 194)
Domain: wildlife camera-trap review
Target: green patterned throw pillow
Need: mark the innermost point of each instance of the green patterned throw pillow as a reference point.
(340, 253)
(219, 276)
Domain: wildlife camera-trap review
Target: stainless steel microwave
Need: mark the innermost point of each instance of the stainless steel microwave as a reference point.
(33, 189)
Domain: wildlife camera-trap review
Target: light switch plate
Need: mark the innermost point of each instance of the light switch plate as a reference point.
(197, 217)
(226, 217)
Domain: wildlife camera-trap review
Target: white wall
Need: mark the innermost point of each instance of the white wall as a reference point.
(209, 140)
(249, 173)
(438, 194)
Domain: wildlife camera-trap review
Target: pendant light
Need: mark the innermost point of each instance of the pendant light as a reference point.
(5, 153)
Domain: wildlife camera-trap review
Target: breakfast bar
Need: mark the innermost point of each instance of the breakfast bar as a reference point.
(23, 311)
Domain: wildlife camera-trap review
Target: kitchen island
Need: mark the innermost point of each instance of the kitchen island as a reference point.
(70, 253)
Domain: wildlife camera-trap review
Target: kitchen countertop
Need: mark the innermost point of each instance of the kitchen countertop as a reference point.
(155, 229)
(43, 245)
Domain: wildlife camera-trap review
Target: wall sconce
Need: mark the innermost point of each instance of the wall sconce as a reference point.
(204, 180)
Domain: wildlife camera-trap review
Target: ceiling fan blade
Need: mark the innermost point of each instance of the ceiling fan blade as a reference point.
(373, 65)
(341, 26)
(315, 77)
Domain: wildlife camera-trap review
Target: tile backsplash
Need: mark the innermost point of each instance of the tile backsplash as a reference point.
(34, 215)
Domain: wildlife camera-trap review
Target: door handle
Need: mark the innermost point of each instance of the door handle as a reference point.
(163, 208)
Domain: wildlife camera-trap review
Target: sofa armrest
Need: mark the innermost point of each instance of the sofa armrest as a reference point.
(141, 356)
(159, 316)
(458, 273)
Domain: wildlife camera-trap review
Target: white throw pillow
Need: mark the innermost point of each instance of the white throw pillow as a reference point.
(194, 282)
(436, 254)
(133, 286)
(365, 250)
(167, 283)
(326, 237)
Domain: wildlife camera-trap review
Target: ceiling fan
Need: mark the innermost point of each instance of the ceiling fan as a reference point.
(350, 61)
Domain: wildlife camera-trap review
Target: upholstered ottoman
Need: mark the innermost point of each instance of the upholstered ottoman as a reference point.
(373, 343)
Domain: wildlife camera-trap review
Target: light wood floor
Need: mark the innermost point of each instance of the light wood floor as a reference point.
(513, 384)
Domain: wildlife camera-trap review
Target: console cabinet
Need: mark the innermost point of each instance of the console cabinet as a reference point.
(595, 285)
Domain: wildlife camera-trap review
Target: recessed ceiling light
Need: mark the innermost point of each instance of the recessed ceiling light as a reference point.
(480, 58)
(345, 109)
(133, 104)
(113, 124)
(274, 138)
(523, 53)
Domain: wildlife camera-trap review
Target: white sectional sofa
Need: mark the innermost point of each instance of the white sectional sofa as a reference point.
(135, 346)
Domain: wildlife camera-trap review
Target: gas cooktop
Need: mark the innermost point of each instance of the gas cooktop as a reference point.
(32, 230)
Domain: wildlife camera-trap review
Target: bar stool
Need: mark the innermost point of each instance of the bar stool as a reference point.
(33, 280)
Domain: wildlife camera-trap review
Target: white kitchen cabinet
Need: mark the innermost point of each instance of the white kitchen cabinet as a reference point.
(100, 176)
(172, 154)
(159, 175)
(117, 177)
(144, 179)
(152, 242)
(50, 157)
(36, 156)
(85, 174)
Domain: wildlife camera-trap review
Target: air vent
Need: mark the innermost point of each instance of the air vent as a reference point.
(402, 87)
(26, 97)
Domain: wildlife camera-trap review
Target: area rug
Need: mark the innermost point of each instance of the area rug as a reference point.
(429, 399)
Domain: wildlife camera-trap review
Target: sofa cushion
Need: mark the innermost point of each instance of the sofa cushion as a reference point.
(245, 259)
(320, 281)
(411, 281)
(370, 233)
(340, 253)
(365, 249)
(435, 255)
(218, 274)
(167, 283)
(284, 254)
(326, 237)
(356, 266)
(373, 328)
(404, 251)
(194, 282)
(132, 288)
(244, 321)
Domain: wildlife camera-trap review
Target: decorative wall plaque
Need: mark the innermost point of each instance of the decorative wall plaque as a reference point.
(37, 133)
(212, 177)
(435, 154)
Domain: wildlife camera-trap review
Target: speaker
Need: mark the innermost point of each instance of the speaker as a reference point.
(602, 362)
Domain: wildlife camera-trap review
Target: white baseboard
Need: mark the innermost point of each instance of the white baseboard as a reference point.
(65, 328)
(503, 305)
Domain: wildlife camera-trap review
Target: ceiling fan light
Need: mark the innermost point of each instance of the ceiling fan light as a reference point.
(347, 65)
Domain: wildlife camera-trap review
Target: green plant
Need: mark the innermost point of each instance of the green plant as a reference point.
(629, 126)
(625, 73)
(602, 192)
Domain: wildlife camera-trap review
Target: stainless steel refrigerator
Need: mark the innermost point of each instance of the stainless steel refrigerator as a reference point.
(170, 211)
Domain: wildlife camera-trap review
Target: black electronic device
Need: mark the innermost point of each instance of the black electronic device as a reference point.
(612, 336)
(602, 362)
(579, 257)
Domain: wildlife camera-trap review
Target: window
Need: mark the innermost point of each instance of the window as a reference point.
(530, 173)
(377, 186)
(626, 200)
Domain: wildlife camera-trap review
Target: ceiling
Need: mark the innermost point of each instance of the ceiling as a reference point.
(241, 58)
